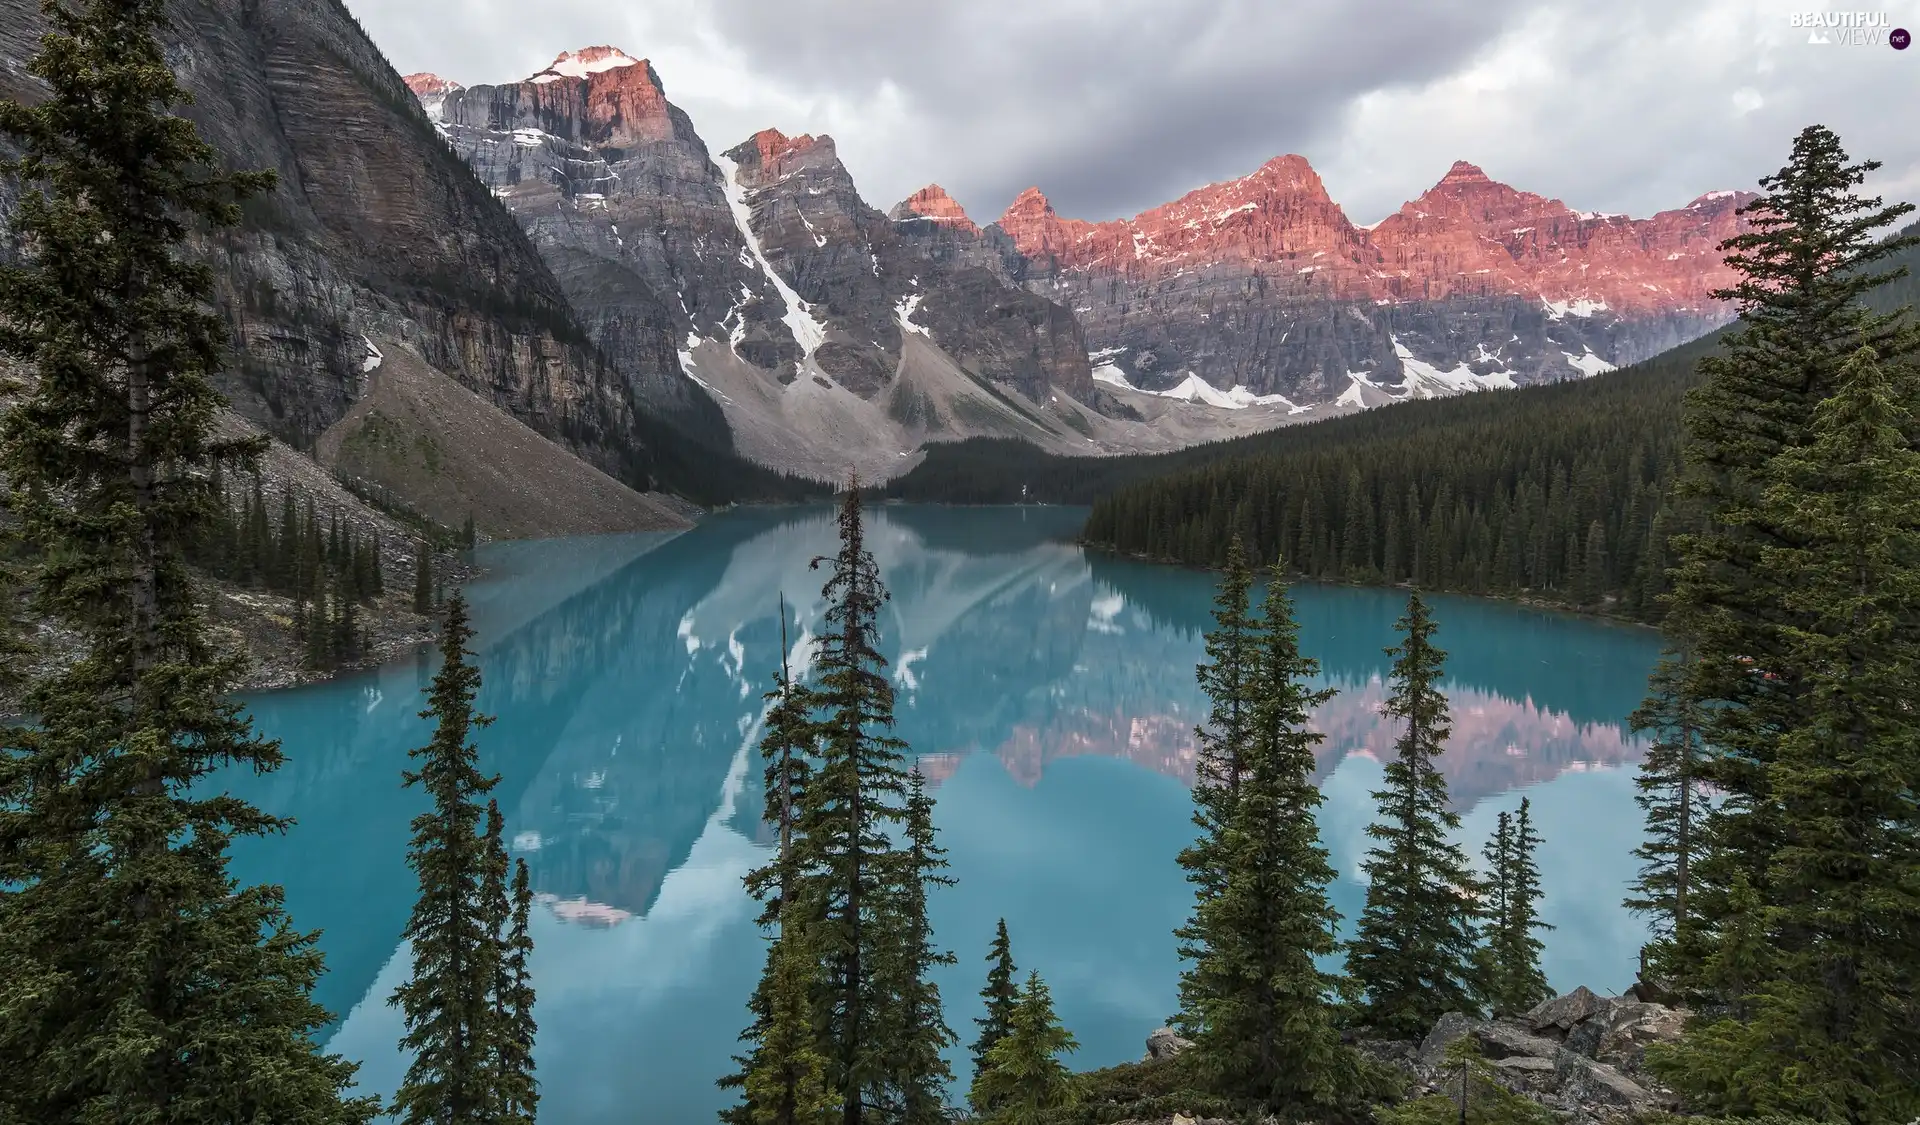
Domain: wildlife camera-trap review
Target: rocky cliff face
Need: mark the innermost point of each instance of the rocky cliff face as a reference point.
(759, 272)
(1262, 284)
(377, 229)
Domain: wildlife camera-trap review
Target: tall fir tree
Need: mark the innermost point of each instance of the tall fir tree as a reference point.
(1809, 255)
(1024, 1079)
(1512, 980)
(1255, 996)
(453, 1031)
(1228, 680)
(786, 1081)
(913, 1032)
(855, 801)
(141, 982)
(785, 743)
(422, 577)
(1674, 809)
(1000, 995)
(1830, 1029)
(519, 1091)
(1412, 957)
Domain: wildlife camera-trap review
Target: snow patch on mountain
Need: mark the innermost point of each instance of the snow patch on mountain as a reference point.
(1579, 306)
(904, 311)
(1424, 380)
(808, 332)
(1586, 363)
(579, 64)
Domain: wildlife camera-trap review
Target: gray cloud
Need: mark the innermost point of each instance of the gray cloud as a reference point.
(1113, 106)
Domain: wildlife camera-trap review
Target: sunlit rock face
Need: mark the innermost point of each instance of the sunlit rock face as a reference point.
(1262, 283)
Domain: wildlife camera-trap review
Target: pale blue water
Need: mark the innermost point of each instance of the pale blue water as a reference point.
(1052, 694)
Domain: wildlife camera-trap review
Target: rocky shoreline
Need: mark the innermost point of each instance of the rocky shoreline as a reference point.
(1581, 1056)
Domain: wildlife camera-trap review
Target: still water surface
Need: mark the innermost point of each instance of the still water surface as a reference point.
(1050, 695)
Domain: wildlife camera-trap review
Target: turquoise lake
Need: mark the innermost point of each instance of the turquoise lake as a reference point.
(1048, 692)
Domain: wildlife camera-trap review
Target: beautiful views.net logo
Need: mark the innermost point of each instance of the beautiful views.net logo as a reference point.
(1851, 29)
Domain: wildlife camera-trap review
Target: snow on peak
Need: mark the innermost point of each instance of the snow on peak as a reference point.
(587, 60)
(808, 332)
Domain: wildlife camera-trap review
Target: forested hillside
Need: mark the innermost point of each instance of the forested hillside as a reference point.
(1558, 492)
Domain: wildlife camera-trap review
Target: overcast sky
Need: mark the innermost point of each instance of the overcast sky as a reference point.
(1113, 106)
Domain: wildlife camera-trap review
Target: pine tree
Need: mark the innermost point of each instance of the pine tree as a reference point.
(1255, 996)
(784, 744)
(447, 1001)
(856, 796)
(285, 576)
(1808, 257)
(913, 1032)
(1024, 1078)
(379, 579)
(1412, 956)
(520, 1093)
(1228, 681)
(468, 537)
(140, 981)
(786, 1082)
(1512, 980)
(422, 577)
(1674, 809)
(1000, 995)
(1832, 1025)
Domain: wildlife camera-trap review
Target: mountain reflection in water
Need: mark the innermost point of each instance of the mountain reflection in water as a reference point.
(1049, 694)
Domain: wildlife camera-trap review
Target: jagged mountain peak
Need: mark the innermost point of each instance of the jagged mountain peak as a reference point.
(1464, 172)
(586, 61)
(934, 204)
(426, 84)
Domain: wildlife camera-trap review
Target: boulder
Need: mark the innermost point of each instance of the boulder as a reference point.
(1599, 1089)
(1498, 1039)
(1562, 1012)
(1164, 1044)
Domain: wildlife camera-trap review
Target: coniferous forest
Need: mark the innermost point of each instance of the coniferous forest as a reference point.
(1774, 529)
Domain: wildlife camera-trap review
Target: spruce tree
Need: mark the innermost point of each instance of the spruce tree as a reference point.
(422, 577)
(1000, 996)
(785, 742)
(1808, 257)
(912, 1030)
(1512, 981)
(1024, 1079)
(1674, 809)
(519, 1092)
(855, 799)
(1255, 996)
(786, 1080)
(1830, 1030)
(1412, 956)
(448, 1000)
(1227, 678)
(140, 981)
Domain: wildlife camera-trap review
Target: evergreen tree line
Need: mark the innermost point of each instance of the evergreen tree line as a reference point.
(1436, 935)
(1568, 504)
(330, 571)
(139, 981)
(1781, 865)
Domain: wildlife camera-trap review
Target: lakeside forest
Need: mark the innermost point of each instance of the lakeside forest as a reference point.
(140, 982)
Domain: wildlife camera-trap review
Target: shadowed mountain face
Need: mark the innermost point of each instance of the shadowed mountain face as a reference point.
(377, 231)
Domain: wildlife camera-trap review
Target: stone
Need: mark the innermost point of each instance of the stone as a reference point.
(1595, 1085)
(1263, 282)
(1163, 1043)
(1562, 1012)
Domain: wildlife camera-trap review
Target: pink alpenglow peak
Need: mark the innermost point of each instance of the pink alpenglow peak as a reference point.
(1468, 235)
(581, 63)
(426, 85)
(933, 203)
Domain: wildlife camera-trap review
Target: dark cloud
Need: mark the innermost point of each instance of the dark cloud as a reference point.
(1111, 107)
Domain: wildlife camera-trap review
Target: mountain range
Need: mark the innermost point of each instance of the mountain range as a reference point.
(830, 333)
(568, 251)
